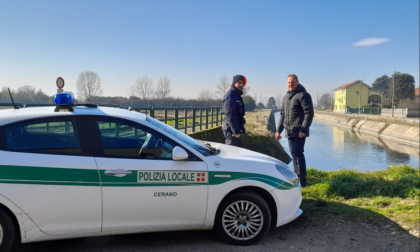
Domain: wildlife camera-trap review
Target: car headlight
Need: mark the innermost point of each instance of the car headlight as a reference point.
(290, 175)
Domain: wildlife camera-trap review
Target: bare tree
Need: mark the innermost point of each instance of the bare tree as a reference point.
(26, 90)
(246, 90)
(223, 86)
(279, 100)
(205, 95)
(143, 87)
(264, 100)
(163, 87)
(325, 101)
(88, 85)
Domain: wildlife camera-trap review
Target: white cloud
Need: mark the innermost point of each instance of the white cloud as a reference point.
(371, 41)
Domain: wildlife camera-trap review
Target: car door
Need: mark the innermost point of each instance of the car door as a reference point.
(48, 171)
(143, 188)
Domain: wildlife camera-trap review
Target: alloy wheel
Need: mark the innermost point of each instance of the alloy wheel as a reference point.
(242, 220)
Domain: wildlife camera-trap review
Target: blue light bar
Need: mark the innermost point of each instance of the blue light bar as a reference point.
(63, 99)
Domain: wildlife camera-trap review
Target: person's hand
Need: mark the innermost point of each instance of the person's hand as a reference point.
(302, 135)
(278, 136)
(237, 135)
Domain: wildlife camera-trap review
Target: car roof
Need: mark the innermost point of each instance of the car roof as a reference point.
(13, 115)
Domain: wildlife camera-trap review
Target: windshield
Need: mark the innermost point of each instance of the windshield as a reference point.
(180, 136)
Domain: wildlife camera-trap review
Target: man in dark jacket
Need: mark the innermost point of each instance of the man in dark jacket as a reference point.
(297, 113)
(234, 110)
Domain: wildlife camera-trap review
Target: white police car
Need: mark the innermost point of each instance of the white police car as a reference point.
(76, 171)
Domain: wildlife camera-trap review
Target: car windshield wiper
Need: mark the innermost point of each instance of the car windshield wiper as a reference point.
(213, 150)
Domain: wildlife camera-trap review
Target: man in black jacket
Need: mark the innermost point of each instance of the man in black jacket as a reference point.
(297, 113)
(234, 110)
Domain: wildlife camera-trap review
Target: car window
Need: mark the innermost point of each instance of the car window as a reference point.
(180, 136)
(43, 136)
(125, 139)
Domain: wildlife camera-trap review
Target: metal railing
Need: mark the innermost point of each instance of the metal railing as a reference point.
(181, 117)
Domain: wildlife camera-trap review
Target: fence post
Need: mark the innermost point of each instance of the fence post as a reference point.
(117, 130)
(176, 118)
(165, 115)
(212, 116)
(201, 117)
(66, 127)
(217, 117)
(152, 112)
(207, 118)
(185, 121)
(193, 122)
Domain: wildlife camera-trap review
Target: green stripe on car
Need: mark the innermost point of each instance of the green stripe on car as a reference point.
(85, 177)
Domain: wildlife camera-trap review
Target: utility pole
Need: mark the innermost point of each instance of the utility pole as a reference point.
(393, 92)
(317, 101)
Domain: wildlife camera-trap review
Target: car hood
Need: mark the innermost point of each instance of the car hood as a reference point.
(229, 152)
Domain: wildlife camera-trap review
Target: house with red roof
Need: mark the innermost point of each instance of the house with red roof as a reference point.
(354, 95)
(417, 94)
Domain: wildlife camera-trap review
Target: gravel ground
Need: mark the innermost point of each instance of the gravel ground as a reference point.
(304, 234)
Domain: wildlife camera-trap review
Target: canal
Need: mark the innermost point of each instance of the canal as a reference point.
(332, 147)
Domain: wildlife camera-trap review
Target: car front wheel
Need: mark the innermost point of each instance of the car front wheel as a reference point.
(7, 232)
(243, 218)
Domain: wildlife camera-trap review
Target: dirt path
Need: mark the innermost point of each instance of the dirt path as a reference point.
(342, 234)
(307, 233)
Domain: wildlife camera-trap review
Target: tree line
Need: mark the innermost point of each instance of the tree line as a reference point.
(399, 86)
(142, 92)
(25, 94)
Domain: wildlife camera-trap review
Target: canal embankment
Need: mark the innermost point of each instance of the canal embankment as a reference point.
(259, 135)
(407, 133)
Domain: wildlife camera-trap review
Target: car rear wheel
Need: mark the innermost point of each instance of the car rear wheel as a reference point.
(7, 232)
(243, 218)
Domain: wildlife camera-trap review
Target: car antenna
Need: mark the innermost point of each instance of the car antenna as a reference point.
(14, 106)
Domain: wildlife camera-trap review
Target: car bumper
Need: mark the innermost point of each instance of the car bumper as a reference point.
(288, 203)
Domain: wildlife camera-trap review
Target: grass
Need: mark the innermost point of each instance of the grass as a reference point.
(392, 193)
(259, 139)
(181, 122)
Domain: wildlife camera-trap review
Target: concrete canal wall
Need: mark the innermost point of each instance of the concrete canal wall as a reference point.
(392, 131)
(211, 135)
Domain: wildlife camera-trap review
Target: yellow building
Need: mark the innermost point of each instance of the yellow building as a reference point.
(355, 95)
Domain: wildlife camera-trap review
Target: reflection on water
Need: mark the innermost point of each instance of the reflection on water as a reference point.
(332, 147)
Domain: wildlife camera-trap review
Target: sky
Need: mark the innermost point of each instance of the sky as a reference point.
(194, 43)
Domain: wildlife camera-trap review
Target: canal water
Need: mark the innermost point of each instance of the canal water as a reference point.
(332, 147)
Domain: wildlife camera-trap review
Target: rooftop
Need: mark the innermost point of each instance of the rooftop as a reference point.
(348, 84)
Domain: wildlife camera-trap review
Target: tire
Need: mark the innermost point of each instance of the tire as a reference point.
(8, 234)
(238, 219)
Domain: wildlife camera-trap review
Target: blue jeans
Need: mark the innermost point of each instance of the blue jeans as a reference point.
(296, 145)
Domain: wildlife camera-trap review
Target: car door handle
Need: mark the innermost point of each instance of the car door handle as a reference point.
(118, 173)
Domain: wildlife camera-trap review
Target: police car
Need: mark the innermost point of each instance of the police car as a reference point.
(80, 170)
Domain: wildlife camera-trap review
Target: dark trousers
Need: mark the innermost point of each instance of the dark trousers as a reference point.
(231, 140)
(296, 145)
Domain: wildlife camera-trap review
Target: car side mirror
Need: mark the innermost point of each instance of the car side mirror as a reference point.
(179, 153)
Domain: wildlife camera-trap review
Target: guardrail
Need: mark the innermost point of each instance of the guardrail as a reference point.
(181, 117)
